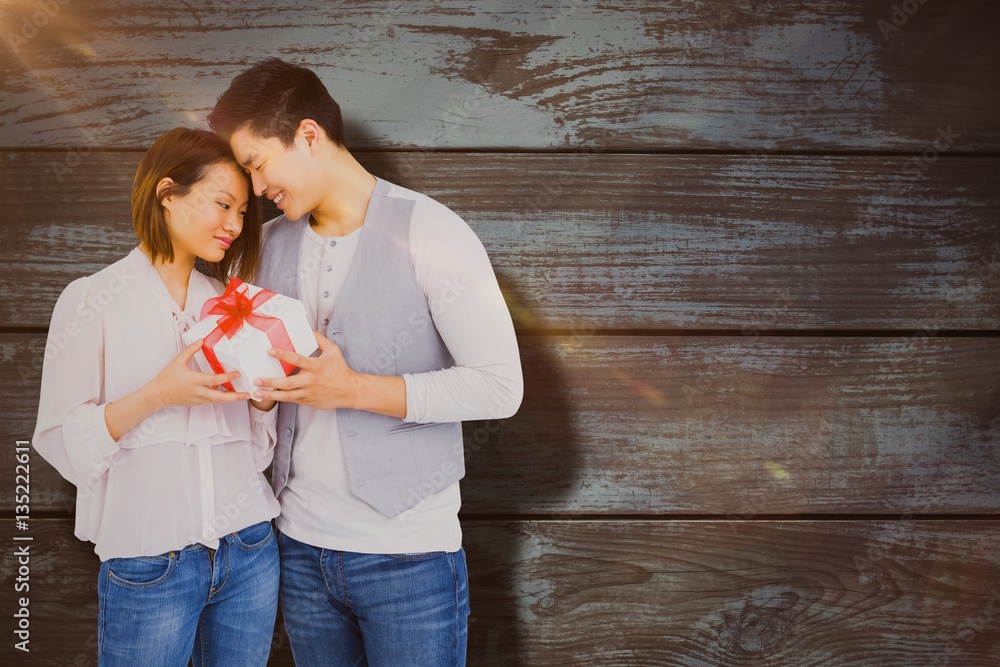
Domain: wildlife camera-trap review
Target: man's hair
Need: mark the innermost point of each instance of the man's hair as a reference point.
(270, 100)
(186, 156)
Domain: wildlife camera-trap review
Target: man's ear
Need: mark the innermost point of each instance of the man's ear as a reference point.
(310, 132)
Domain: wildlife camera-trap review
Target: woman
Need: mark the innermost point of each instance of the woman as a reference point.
(168, 468)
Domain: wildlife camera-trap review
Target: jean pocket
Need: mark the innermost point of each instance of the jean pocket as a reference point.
(254, 537)
(422, 555)
(141, 572)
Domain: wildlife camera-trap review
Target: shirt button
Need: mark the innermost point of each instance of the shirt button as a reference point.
(288, 432)
(332, 243)
(329, 267)
(281, 479)
(326, 322)
(326, 295)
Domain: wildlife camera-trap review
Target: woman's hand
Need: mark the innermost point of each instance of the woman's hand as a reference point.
(175, 385)
(179, 385)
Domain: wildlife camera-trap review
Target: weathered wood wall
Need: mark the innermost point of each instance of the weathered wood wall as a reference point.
(752, 255)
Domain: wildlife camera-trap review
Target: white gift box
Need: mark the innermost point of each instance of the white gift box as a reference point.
(246, 350)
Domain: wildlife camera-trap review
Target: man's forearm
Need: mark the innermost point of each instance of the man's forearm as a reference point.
(382, 394)
(463, 393)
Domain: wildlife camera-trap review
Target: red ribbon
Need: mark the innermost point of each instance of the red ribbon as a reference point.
(236, 310)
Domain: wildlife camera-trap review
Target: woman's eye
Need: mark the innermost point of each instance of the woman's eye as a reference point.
(225, 207)
(243, 213)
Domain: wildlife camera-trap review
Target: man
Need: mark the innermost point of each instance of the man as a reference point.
(414, 337)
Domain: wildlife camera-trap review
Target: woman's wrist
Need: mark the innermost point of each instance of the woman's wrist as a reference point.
(150, 398)
(122, 415)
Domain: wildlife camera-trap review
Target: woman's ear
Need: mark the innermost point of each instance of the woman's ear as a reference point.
(163, 190)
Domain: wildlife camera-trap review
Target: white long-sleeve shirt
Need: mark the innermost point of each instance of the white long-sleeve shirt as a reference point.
(469, 312)
(183, 475)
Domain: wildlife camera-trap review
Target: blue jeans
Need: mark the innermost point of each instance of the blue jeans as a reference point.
(214, 608)
(345, 608)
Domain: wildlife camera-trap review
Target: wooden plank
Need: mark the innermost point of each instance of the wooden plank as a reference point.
(664, 593)
(742, 427)
(823, 75)
(720, 594)
(617, 241)
(710, 425)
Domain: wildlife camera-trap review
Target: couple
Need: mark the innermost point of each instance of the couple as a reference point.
(365, 440)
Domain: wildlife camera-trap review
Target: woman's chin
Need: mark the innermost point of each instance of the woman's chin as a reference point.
(213, 255)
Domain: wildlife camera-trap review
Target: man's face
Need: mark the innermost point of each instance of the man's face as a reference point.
(280, 173)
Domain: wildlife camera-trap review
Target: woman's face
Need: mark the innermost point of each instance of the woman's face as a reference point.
(204, 222)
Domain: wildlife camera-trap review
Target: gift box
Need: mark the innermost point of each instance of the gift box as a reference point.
(240, 326)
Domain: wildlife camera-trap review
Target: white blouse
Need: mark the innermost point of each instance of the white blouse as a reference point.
(183, 475)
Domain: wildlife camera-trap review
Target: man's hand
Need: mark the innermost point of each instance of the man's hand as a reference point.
(324, 382)
(327, 382)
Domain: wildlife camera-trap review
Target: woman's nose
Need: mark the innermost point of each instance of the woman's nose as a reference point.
(234, 223)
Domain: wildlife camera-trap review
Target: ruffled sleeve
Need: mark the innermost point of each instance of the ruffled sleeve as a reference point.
(263, 435)
(71, 433)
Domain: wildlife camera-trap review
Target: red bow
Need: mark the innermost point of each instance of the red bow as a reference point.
(236, 310)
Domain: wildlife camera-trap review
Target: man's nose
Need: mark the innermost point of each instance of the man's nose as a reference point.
(259, 186)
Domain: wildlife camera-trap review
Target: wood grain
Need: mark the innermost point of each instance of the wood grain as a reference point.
(658, 184)
(601, 241)
(712, 594)
(800, 75)
(705, 425)
(663, 593)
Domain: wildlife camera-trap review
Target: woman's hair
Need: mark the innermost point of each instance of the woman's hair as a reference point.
(270, 100)
(185, 156)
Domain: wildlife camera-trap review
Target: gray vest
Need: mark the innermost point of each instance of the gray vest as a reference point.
(382, 324)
